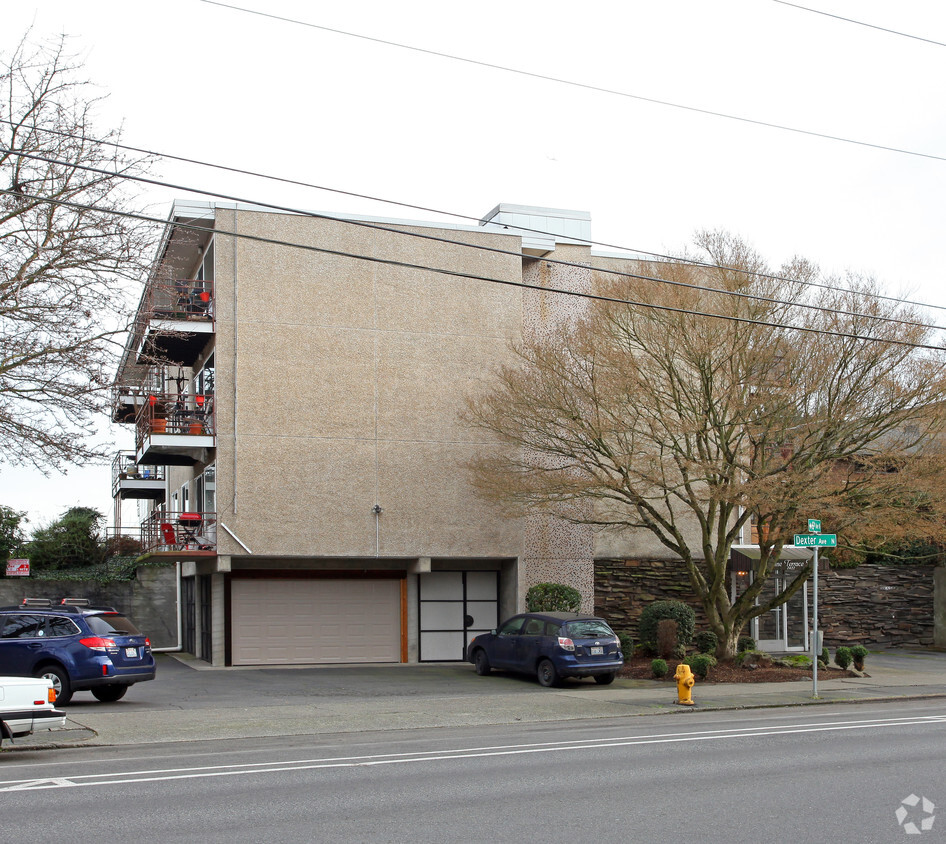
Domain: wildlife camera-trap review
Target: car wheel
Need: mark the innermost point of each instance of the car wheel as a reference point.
(107, 694)
(481, 662)
(604, 679)
(547, 674)
(60, 681)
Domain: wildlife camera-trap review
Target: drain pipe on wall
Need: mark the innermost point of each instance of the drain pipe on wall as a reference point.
(180, 620)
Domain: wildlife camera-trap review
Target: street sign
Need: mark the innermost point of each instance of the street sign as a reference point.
(820, 540)
(18, 568)
(814, 526)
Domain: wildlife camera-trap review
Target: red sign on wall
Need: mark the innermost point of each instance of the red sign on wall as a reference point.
(18, 568)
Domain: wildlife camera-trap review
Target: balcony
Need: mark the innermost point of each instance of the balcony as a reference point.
(130, 480)
(127, 400)
(175, 430)
(176, 320)
(179, 536)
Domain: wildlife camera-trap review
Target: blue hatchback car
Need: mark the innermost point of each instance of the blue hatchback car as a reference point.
(550, 645)
(76, 647)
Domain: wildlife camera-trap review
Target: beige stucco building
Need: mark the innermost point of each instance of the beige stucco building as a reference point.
(296, 391)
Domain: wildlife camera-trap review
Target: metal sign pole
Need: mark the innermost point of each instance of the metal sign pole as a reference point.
(815, 650)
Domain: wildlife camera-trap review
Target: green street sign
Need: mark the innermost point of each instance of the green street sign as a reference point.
(814, 526)
(821, 540)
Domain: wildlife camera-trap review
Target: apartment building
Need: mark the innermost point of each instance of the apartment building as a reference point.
(295, 385)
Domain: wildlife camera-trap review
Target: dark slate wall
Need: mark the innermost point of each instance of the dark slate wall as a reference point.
(880, 605)
(150, 601)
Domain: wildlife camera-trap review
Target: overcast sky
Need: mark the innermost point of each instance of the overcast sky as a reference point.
(198, 80)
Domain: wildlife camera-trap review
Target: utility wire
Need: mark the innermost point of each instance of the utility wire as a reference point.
(823, 332)
(466, 217)
(480, 247)
(861, 23)
(583, 85)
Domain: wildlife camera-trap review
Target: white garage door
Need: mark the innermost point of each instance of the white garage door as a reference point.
(297, 622)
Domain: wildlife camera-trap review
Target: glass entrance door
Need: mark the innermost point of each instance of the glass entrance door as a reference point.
(785, 627)
(455, 606)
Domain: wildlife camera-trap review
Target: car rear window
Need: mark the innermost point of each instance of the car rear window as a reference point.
(587, 629)
(57, 626)
(112, 622)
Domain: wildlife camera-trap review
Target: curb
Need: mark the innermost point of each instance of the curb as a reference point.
(55, 740)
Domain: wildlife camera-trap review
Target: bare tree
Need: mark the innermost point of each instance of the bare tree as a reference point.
(700, 414)
(67, 259)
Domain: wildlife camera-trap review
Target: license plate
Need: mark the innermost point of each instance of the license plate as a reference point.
(597, 651)
(132, 652)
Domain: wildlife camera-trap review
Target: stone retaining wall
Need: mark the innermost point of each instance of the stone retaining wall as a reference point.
(870, 605)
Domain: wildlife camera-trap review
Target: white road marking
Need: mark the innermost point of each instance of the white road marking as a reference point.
(160, 775)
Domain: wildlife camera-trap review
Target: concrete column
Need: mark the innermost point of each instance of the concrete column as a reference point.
(217, 619)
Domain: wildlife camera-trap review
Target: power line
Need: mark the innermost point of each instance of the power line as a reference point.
(861, 23)
(583, 85)
(479, 247)
(474, 277)
(466, 217)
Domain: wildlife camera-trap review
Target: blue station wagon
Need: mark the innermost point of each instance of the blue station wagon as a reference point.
(550, 645)
(76, 647)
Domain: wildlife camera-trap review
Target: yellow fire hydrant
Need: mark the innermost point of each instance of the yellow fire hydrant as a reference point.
(685, 681)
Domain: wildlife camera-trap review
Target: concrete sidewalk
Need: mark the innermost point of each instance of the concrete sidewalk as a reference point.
(193, 701)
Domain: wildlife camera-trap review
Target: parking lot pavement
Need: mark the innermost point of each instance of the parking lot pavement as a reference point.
(194, 701)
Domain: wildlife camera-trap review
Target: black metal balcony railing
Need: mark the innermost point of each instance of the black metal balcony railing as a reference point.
(175, 414)
(179, 531)
(180, 299)
(174, 321)
(123, 541)
(124, 468)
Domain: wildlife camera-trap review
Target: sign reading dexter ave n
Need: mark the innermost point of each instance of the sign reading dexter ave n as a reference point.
(820, 540)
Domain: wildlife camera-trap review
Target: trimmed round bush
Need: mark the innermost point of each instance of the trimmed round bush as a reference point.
(700, 664)
(658, 668)
(553, 597)
(859, 654)
(746, 643)
(706, 642)
(681, 613)
(627, 645)
(843, 657)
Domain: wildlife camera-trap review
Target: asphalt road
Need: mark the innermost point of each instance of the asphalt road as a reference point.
(812, 774)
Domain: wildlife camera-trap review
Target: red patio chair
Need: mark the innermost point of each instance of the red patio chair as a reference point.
(167, 531)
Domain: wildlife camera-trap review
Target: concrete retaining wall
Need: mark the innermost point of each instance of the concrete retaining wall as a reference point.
(150, 600)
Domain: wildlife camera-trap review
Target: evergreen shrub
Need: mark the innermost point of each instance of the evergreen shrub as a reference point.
(746, 643)
(553, 597)
(681, 613)
(658, 668)
(843, 657)
(700, 664)
(706, 642)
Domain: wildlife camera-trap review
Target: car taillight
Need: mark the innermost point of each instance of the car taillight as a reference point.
(97, 643)
(147, 644)
(51, 694)
(566, 644)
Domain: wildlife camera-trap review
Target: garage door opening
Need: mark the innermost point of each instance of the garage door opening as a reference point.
(303, 621)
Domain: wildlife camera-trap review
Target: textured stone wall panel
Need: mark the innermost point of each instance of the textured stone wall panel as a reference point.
(869, 605)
